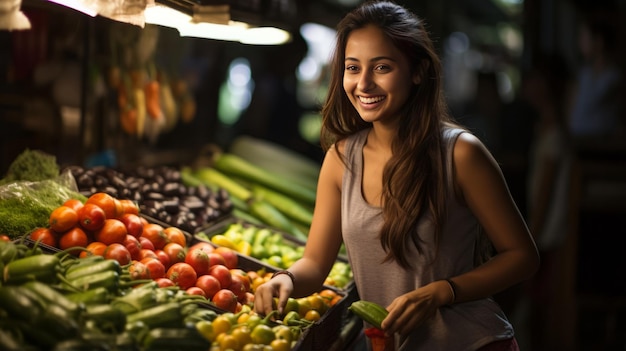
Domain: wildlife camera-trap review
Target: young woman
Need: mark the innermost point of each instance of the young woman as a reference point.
(413, 196)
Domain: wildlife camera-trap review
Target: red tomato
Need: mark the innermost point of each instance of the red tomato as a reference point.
(203, 245)
(182, 275)
(4, 237)
(164, 282)
(199, 260)
(62, 219)
(155, 233)
(164, 258)
(133, 223)
(194, 290)
(44, 236)
(138, 270)
(176, 235)
(215, 258)
(209, 284)
(238, 286)
(105, 202)
(175, 252)
(74, 204)
(129, 207)
(245, 278)
(222, 274)
(143, 253)
(95, 248)
(73, 238)
(226, 300)
(155, 267)
(146, 243)
(91, 217)
(231, 260)
(117, 252)
(133, 246)
(113, 231)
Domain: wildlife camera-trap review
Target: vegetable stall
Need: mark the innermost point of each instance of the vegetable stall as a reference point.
(159, 259)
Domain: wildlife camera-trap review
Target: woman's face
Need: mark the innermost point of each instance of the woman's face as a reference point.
(377, 76)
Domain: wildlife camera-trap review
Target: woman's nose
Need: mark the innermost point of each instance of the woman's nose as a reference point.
(365, 81)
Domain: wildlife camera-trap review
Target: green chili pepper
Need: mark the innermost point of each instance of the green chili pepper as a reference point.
(43, 267)
(90, 297)
(51, 296)
(107, 279)
(93, 267)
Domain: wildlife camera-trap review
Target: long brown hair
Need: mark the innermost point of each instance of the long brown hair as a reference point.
(414, 179)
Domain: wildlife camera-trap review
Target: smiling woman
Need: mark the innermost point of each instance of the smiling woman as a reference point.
(405, 187)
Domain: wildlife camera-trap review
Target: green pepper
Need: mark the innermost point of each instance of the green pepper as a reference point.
(97, 295)
(18, 304)
(292, 318)
(80, 344)
(9, 341)
(43, 267)
(166, 315)
(106, 318)
(136, 300)
(202, 314)
(106, 279)
(175, 339)
(58, 322)
(8, 251)
(77, 262)
(52, 296)
(93, 267)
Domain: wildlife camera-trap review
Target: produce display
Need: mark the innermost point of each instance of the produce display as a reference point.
(159, 192)
(200, 297)
(258, 194)
(271, 247)
(91, 270)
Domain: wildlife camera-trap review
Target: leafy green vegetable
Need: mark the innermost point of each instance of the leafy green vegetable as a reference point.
(32, 165)
(25, 206)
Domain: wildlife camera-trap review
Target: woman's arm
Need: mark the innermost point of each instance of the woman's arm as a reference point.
(322, 244)
(485, 191)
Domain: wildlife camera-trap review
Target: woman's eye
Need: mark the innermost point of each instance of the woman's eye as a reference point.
(382, 68)
(351, 68)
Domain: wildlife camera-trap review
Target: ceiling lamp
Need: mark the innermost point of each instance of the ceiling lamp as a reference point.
(165, 16)
(11, 17)
(88, 8)
(248, 22)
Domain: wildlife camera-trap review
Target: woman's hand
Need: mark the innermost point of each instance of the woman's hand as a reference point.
(409, 311)
(280, 286)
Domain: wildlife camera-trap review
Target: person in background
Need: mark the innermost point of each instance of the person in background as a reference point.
(415, 198)
(547, 89)
(597, 105)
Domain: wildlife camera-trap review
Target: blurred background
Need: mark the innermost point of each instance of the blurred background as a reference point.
(539, 81)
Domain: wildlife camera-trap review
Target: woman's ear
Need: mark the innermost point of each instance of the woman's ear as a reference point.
(417, 78)
(420, 70)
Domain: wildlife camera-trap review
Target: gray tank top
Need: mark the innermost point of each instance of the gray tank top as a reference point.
(462, 326)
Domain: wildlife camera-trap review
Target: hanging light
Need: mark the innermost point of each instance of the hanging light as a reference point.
(11, 17)
(165, 16)
(87, 7)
